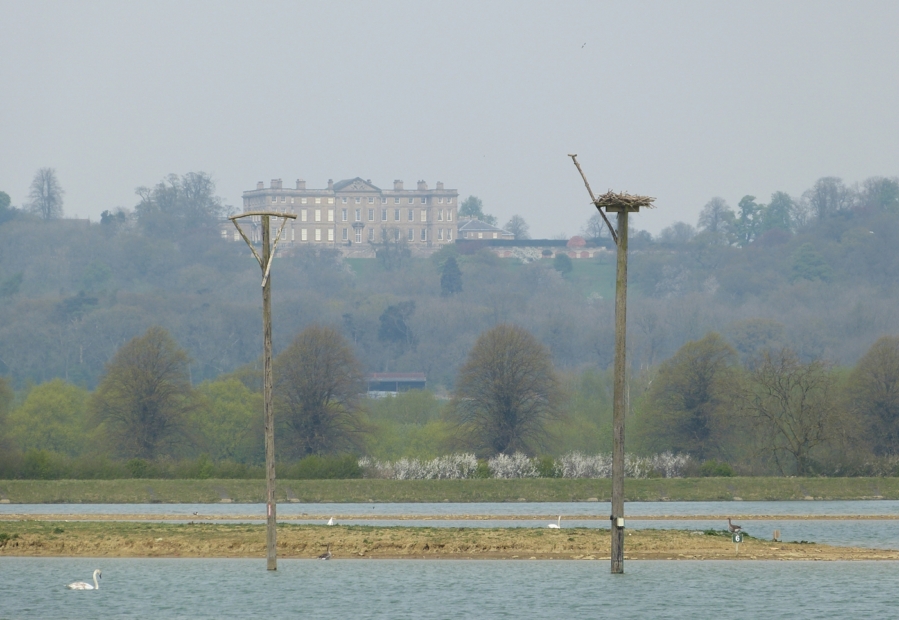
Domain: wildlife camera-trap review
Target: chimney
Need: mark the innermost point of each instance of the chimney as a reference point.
(301, 184)
(331, 184)
(422, 185)
(276, 183)
(397, 185)
(439, 184)
(260, 185)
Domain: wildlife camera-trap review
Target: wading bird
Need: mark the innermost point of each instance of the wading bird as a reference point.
(83, 585)
(327, 554)
(557, 525)
(331, 521)
(733, 527)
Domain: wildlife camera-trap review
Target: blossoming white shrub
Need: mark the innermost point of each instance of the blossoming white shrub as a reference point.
(517, 465)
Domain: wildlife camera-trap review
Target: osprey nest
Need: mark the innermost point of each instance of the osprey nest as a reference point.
(617, 202)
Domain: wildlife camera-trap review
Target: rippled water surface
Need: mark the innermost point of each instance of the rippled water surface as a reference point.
(165, 588)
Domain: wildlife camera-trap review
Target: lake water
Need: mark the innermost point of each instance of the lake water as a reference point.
(166, 588)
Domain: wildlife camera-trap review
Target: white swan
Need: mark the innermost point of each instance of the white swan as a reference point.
(331, 521)
(557, 525)
(83, 585)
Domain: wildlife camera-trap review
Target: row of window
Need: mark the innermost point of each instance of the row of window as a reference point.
(397, 215)
(290, 235)
(358, 199)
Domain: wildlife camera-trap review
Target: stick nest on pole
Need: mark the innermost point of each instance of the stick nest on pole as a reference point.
(615, 203)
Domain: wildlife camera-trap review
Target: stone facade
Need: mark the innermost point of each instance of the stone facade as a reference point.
(354, 212)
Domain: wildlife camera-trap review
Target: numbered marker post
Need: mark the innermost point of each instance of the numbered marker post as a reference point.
(737, 538)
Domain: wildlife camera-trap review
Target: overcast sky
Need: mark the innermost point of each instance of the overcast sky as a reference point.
(678, 100)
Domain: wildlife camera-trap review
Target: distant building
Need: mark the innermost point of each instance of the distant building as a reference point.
(355, 211)
(470, 228)
(382, 384)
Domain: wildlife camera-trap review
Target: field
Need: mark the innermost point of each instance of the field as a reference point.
(492, 490)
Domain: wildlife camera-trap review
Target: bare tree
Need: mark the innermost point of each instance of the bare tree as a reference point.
(716, 216)
(145, 395)
(792, 406)
(318, 390)
(46, 195)
(518, 227)
(873, 392)
(506, 393)
(595, 228)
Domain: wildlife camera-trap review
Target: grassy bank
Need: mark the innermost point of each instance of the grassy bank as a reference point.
(207, 540)
(491, 490)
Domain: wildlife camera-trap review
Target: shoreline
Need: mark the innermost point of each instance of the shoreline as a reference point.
(119, 539)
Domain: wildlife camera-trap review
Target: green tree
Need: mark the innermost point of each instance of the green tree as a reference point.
(562, 263)
(879, 193)
(792, 407)
(450, 277)
(809, 264)
(748, 221)
(53, 417)
(687, 400)
(145, 396)
(473, 207)
(394, 326)
(717, 217)
(228, 421)
(779, 213)
(318, 388)
(46, 195)
(507, 393)
(873, 391)
(6, 211)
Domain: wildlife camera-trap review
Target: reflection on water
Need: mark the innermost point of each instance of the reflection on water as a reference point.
(33, 588)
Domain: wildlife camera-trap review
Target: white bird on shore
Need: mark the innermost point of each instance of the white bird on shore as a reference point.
(557, 525)
(327, 554)
(83, 585)
(331, 521)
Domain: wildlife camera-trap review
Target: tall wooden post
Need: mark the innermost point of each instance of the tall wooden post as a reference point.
(619, 403)
(271, 532)
(622, 204)
(265, 262)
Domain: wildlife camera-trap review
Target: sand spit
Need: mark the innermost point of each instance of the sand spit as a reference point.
(228, 540)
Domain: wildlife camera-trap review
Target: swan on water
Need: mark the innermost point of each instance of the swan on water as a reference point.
(83, 585)
(557, 525)
(331, 521)
(327, 554)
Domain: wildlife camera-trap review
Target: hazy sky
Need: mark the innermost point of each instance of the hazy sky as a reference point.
(679, 100)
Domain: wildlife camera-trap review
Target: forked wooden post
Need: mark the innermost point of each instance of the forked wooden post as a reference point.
(265, 263)
(622, 204)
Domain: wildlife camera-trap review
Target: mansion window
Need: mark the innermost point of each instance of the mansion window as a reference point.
(424, 234)
(396, 201)
(439, 234)
(343, 215)
(371, 234)
(302, 201)
(383, 215)
(344, 234)
(330, 201)
(318, 215)
(396, 215)
(411, 216)
(411, 234)
(358, 200)
(330, 234)
(303, 236)
(449, 215)
(371, 200)
(424, 200)
(371, 215)
(318, 201)
(318, 234)
(302, 215)
(449, 234)
(440, 201)
(424, 215)
(330, 215)
(358, 235)
(343, 200)
(411, 200)
(358, 215)
(440, 215)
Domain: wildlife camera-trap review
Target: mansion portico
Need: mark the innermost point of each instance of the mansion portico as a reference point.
(354, 211)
